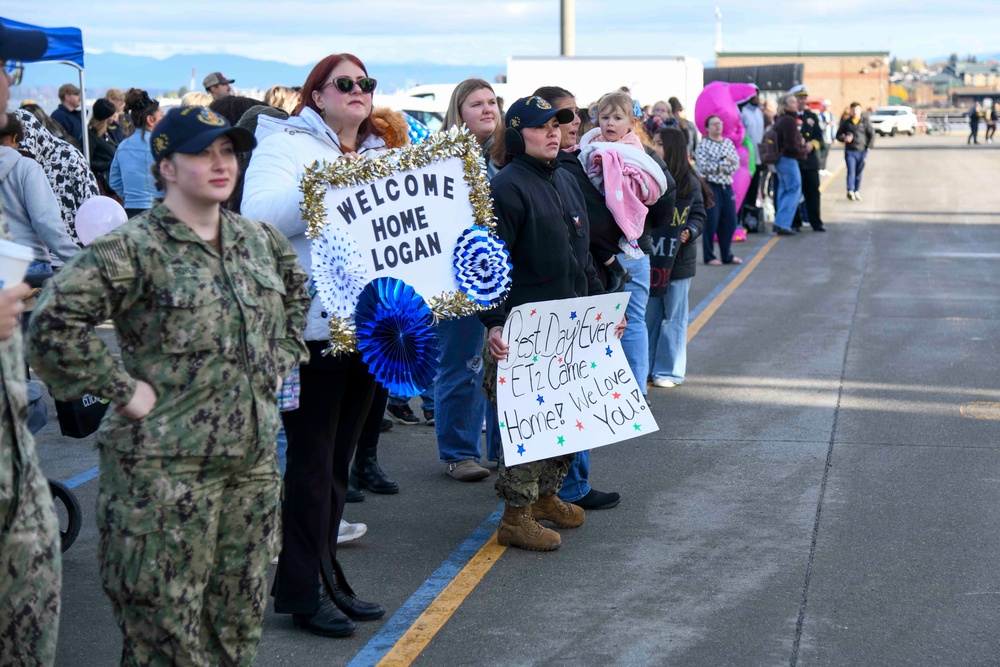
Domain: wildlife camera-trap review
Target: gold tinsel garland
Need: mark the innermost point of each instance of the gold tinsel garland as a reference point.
(322, 176)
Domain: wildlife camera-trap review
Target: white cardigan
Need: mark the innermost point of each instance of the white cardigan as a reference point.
(285, 149)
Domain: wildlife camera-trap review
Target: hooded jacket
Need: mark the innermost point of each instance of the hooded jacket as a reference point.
(285, 149)
(31, 209)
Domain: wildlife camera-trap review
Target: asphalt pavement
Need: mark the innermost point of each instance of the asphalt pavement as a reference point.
(823, 489)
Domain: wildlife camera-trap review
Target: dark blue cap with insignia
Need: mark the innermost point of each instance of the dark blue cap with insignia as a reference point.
(192, 130)
(534, 112)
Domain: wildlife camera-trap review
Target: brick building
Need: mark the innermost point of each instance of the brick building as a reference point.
(841, 77)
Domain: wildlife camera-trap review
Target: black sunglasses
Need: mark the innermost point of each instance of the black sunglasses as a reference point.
(345, 84)
(14, 71)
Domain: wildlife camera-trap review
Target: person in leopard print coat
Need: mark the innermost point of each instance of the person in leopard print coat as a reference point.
(65, 168)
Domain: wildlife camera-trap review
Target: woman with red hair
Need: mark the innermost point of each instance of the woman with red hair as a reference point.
(333, 121)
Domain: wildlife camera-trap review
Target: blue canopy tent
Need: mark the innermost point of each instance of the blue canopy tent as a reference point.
(65, 47)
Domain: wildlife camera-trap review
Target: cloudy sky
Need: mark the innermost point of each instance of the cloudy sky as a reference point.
(485, 33)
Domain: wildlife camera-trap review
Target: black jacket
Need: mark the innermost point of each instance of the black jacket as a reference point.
(812, 132)
(72, 121)
(102, 154)
(604, 231)
(667, 262)
(542, 219)
(863, 133)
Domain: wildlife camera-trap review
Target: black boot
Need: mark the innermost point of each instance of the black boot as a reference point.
(354, 494)
(367, 474)
(343, 597)
(328, 621)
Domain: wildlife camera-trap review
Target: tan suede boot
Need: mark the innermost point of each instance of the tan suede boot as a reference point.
(551, 508)
(518, 529)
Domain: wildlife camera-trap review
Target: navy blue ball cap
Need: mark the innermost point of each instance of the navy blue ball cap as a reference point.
(534, 112)
(192, 130)
(17, 44)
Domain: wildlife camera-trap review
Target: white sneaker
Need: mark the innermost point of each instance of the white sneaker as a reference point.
(274, 561)
(350, 531)
(664, 383)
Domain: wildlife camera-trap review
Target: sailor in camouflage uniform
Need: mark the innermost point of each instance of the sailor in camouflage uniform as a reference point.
(30, 565)
(209, 309)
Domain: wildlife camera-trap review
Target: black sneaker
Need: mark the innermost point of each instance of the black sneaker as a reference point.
(402, 414)
(386, 425)
(429, 417)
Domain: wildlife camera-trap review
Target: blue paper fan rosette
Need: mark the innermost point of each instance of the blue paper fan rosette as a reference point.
(396, 336)
(338, 271)
(482, 266)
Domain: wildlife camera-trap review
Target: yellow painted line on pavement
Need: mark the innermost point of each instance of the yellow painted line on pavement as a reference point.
(982, 410)
(836, 172)
(717, 302)
(427, 625)
(409, 647)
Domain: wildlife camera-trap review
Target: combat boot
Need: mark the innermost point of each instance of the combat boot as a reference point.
(552, 508)
(518, 529)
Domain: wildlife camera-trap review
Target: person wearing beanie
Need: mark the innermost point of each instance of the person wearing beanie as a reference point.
(103, 143)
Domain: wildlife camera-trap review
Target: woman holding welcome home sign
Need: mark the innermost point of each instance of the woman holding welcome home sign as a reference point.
(333, 122)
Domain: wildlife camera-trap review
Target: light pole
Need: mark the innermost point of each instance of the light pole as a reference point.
(567, 16)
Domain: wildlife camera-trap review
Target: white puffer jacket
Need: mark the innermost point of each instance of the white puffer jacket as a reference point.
(285, 149)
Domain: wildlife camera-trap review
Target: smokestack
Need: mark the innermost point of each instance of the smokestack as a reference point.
(568, 18)
(718, 31)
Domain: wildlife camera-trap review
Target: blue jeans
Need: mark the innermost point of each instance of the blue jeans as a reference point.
(426, 404)
(855, 165)
(667, 323)
(721, 221)
(282, 440)
(789, 192)
(37, 267)
(576, 484)
(458, 394)
(635, 342)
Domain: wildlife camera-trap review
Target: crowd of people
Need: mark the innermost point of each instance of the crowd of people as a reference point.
(223, 377)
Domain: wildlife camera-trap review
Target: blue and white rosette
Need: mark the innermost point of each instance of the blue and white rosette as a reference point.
(396, 336)
(482, 266)
(338, 271)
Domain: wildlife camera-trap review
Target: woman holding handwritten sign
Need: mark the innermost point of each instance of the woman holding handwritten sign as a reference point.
(534, 201)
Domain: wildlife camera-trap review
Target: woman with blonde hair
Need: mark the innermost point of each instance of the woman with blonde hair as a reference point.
(282, 97)
(197, 98)
(459, 403)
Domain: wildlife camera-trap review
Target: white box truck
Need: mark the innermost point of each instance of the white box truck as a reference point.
(588, 77)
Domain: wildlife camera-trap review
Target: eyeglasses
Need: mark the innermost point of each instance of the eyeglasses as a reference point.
(345, 84)
(14, 71)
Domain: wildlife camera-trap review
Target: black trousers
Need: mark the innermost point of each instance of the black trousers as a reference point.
(750, 198)
(810, 192)
(337, 391)
(372, 428)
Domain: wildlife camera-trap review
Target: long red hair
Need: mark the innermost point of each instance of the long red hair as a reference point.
(318, 76)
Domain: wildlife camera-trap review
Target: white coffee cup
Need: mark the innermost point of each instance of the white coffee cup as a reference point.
(14, 261)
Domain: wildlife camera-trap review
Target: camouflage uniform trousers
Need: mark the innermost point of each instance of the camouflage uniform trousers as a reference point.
(185, 545)
(521, 485)
(30, 572)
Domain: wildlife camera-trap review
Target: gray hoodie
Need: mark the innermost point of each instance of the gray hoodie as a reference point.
(31, 208)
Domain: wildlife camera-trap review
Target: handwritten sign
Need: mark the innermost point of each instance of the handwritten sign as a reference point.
(407, 224)
(566, 385)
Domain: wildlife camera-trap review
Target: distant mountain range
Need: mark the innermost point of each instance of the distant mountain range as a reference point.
(107, 70)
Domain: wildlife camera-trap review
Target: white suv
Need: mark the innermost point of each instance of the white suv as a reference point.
(890, 120)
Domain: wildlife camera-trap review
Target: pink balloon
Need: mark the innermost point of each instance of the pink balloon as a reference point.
(97, 216)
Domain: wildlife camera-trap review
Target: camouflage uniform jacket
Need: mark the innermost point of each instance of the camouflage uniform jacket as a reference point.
(17, 448)
(213, 334)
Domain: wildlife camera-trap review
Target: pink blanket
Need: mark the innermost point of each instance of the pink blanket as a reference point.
(628, 189)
